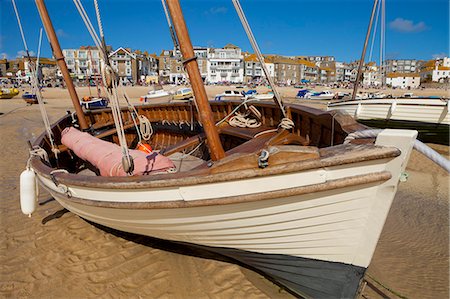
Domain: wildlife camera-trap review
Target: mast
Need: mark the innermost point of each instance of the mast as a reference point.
(190, 63)
(363, 55)
(61, 62)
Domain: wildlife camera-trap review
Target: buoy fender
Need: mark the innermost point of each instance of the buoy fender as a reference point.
(28, 194)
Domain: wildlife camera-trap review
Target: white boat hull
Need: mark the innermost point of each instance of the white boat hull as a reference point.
(339, 225)
(419, 110)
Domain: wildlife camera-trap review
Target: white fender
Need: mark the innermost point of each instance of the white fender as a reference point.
(358, 110)
(28, 191)
(391, 110)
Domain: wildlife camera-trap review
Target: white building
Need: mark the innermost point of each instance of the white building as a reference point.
(124, 62)
(403, 80)
(225, 65)
(439, 73)
(371, 75)
(83, 62)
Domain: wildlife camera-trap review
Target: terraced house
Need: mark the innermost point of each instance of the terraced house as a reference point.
(225, 65)
(253, 70)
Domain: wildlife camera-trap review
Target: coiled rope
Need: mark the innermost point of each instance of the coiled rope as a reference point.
(418, 145)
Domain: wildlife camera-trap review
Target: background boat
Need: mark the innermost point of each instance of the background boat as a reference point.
(427, 115)
(90, 102)
(8, 93)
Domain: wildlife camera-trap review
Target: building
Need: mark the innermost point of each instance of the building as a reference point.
(83, 63)
(400, 66)
(147, 67)
(254, 72)
(436, 71)
(403, 80)
(21, 68)
(171, 69)
(343, 72)
(225, 65)
(164, 65)
(286, 70)
(309, 71)
(4, 65)
(371, 78)
(124, 62)
(318, 59)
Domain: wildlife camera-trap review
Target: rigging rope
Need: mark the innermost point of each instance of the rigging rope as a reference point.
(35, 82)
(110, 79)
(255, 46)
(418, 145)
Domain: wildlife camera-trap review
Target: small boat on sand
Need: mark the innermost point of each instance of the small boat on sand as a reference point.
(156, 94)
(229, 95)
(30, 97)
(90, 102)
(8, 93)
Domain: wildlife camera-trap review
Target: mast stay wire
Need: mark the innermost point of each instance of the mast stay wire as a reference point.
(374, 31)
(35, 83)
(176, 44)
(255, 46)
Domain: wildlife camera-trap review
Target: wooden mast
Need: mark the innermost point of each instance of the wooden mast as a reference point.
(61, 63)
(190, 63)
(363, 55)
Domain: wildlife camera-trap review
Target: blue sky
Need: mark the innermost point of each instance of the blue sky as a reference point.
(416, 29)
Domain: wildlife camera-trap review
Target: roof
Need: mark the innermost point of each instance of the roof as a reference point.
(254, 58)
(397, 75)
(121, 49)
(306, 62)
(230, 46)
(280, 59)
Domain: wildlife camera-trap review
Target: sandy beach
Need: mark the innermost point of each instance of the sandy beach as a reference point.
(56, 254)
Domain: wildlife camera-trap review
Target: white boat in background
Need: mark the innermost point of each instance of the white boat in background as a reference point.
(229, 95)
(262, 96)
(427, 115)
(156, 94)
(323, 95)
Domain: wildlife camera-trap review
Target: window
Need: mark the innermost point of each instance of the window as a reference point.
(128, 62)
(222, 54)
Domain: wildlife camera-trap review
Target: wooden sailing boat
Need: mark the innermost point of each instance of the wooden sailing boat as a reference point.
(294, 203)
(427, 115)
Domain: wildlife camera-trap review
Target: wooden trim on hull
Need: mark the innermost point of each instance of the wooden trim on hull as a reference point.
(372, 178)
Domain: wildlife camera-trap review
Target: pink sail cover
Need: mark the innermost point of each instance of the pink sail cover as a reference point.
(107, 156)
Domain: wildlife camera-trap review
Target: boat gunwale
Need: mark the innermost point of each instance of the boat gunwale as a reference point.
(348, 182)
(398, 102)
(202, 176)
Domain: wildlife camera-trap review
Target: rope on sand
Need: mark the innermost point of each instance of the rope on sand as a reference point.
(418, 145)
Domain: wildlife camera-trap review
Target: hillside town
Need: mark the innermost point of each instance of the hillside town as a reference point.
(228, 65)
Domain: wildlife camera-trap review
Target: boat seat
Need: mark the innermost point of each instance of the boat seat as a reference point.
(245, 133)
(185, 162)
